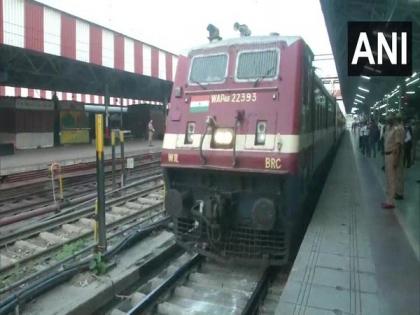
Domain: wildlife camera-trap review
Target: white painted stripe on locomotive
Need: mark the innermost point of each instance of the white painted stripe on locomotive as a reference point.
(107, 48)
(52, 32)
(128, 54)
(82, 41)
(289, 143)
(162, 65)
(246, 143)
(14, 22)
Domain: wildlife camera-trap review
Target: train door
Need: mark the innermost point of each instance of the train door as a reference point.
(306, 125)
(312, 116)
(308, 131)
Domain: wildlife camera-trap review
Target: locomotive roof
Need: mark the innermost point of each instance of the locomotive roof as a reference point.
(249, 40)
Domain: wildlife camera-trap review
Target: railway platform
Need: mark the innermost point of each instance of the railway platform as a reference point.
(357, 258)
(39, 159)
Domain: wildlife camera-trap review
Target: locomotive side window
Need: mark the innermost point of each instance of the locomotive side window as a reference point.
(209, 69)
(331, 113)
(320, 107)
(306, 88)
(257, 65)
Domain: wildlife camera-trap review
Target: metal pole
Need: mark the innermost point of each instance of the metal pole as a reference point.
(100, 184)
(106, 113)
(113, 158)
(122, 158)
(121, 114)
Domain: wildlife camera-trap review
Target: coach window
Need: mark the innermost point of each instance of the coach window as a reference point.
(257, 65)
(320, 108)
(306, 118)
(325, 121)
(330, 114)
(208, 69)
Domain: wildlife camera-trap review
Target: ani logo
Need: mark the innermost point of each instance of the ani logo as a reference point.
(379, 48)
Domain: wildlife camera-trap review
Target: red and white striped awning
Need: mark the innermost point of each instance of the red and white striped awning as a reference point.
(31, 25)
(11, 91)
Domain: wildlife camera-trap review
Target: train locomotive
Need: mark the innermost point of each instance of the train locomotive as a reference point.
(248, 128)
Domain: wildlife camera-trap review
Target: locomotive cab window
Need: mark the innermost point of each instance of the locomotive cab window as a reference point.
(208, 69)
(257, 65)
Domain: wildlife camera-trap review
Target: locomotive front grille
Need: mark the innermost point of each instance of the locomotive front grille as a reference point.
(241, 243)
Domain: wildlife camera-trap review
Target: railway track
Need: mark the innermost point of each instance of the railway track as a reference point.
(17, 200)
(41, 175)
(192, 284)
(35, 249)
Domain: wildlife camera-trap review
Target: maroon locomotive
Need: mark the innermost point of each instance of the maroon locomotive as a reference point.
(249, 127)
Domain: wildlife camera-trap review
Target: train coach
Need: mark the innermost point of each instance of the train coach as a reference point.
(248, 129)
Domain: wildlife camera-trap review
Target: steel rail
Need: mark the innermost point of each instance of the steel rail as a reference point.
(38, 287)
(70, 215)
(150, 299)
(84, 251)
(69, 184)
(258, 294)
(55, 247)
(42, 194)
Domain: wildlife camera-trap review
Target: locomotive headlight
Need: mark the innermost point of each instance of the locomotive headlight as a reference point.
(261, 132)
(189, 133)
(223, 136)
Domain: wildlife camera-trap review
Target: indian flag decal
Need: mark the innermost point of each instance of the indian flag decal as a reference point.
(199, 103)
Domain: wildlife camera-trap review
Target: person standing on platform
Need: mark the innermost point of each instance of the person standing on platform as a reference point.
(363, 138)
(391, 160)
(367, 139)
(151, 130)
(408, 142)
(373, 137)
(399, 173)
(381, 127)
(415, 127)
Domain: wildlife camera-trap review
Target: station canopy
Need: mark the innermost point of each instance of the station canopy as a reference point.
(24, 68)
(338, 13)
(50, 50)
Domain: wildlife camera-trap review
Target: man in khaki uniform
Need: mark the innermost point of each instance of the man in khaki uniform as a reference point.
(391, 158)
(399, 172)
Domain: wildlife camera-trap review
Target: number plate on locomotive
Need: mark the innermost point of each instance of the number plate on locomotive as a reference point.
(234, 98)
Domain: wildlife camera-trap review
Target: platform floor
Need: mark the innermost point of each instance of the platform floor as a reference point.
(408, 210)
(36, 159)
(355, 257)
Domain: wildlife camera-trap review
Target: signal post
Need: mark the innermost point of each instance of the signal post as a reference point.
(100, 227)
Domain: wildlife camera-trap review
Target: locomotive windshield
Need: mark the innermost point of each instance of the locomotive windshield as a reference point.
(257, 65)
(209, 69)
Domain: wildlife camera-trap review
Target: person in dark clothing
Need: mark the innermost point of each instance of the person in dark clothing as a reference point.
(373, 136)
(365, 139)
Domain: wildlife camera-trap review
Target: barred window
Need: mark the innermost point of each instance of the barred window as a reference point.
(208, 69)
(254, 65)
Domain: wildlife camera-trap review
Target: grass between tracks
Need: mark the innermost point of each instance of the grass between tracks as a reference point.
(70, 249)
